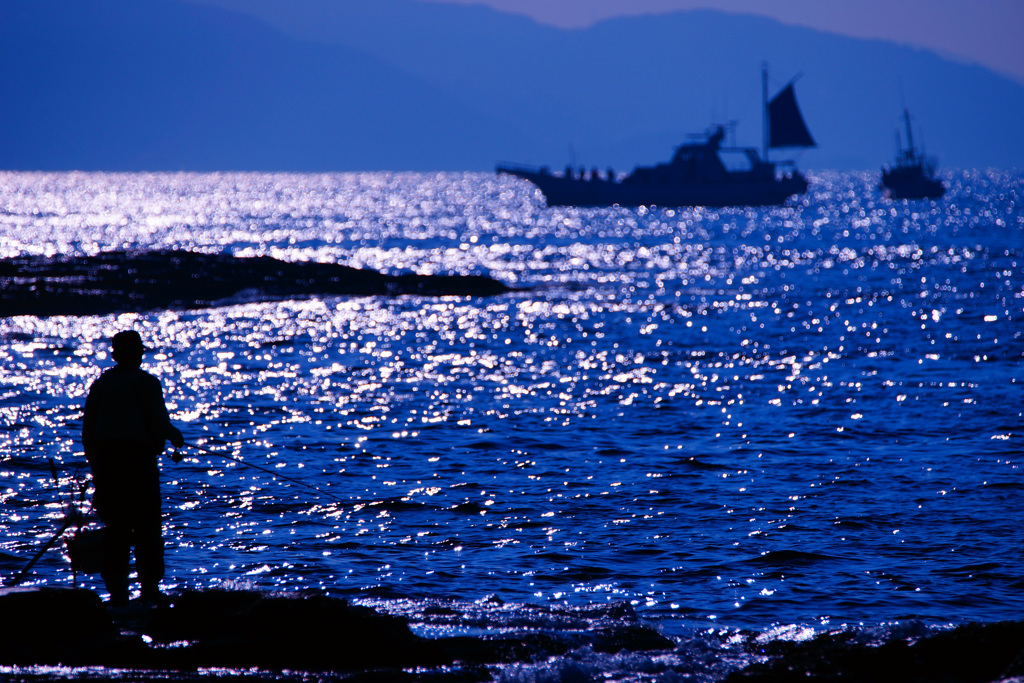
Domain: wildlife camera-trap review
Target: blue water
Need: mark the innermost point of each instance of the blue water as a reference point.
(787, 420)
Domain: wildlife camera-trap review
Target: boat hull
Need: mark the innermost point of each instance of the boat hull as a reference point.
(910, 183)
(598, 192)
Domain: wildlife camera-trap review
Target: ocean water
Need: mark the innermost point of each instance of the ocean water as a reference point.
(787, 420)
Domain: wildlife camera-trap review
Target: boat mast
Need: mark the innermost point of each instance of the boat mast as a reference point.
(764, 108)
(910, 136)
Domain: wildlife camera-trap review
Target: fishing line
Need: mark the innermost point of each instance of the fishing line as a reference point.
(271, 472)
(73, 516)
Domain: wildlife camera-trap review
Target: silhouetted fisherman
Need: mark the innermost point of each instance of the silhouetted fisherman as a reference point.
(124, 431)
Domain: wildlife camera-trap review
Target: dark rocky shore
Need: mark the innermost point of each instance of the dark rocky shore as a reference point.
(306, 636)
(972, 653)
(260, 634)
(128, 281)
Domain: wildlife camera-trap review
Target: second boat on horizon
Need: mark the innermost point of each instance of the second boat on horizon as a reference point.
(913, 174)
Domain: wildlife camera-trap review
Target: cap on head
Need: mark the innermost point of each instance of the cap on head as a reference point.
(128, 341)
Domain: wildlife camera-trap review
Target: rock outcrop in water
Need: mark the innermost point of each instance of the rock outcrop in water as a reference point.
(127, 281)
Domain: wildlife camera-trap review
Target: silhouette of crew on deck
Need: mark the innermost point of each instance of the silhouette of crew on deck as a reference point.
(125, 428)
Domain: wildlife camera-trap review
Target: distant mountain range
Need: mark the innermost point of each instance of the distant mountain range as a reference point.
(323, 85)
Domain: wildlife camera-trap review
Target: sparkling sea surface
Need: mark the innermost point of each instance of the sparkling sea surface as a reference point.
(786, 420)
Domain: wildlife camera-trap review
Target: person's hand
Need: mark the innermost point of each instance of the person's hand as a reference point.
(176, 456)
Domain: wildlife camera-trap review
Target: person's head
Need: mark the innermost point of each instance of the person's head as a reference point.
(127, 348)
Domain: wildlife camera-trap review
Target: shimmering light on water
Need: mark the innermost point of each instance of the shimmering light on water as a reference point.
(801, 415)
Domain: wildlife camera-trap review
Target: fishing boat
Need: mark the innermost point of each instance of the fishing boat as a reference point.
(913, 175)
(701, 173)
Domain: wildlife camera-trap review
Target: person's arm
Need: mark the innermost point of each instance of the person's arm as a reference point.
(174, 436)
(160, 420)
(89, 423)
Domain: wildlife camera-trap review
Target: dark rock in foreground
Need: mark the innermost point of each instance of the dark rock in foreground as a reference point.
(235, 629)
(248, 631)
(124, 281)
(972, 653)
(248, 635)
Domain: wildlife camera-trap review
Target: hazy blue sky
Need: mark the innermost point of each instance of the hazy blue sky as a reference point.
(366, 85)
(989, 32)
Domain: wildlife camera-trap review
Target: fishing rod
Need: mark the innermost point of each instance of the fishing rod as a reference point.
(271, 472)
(71, 516)
(49, 544)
